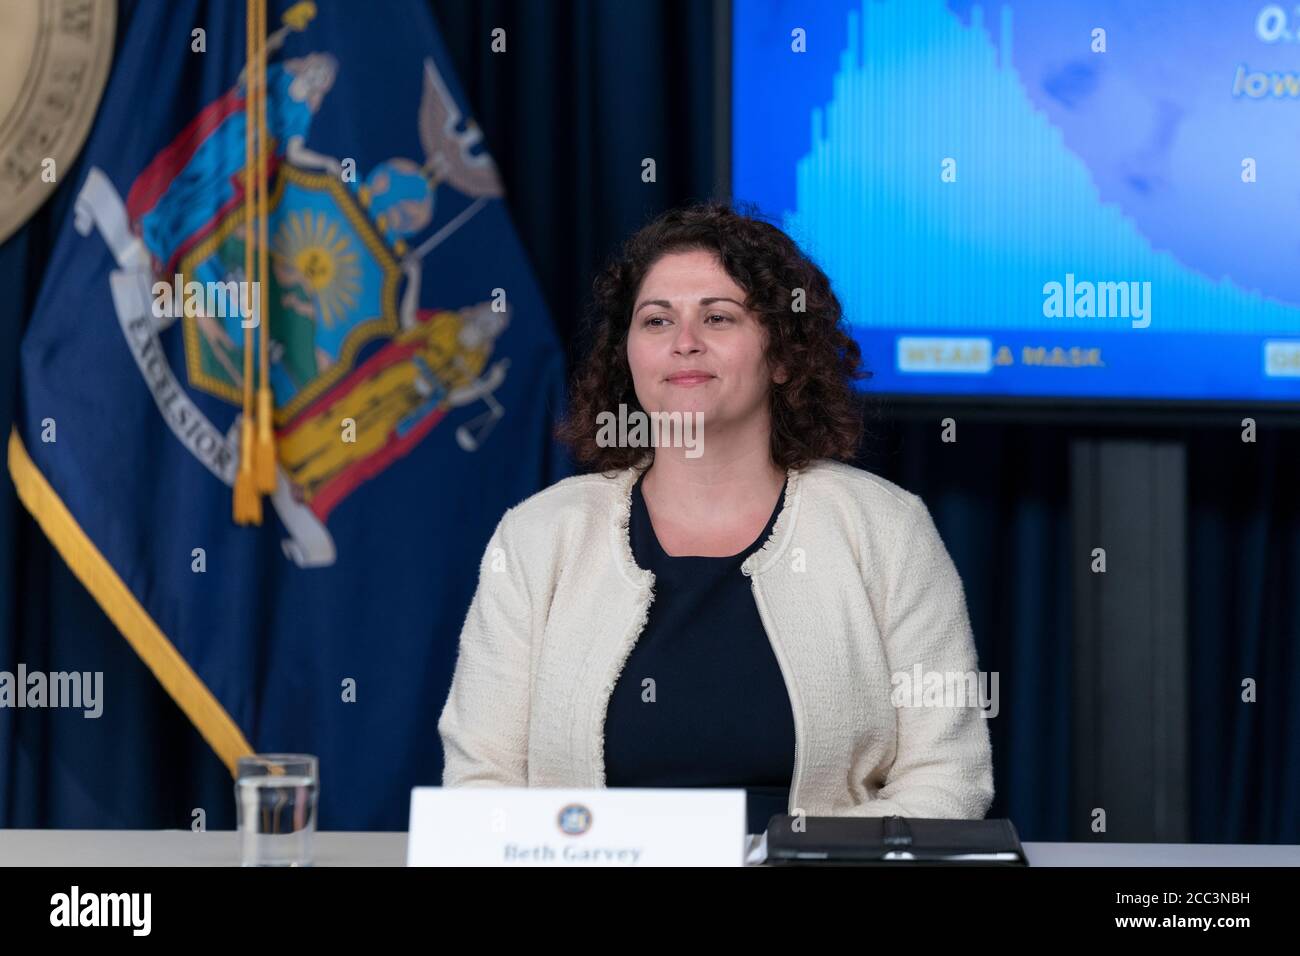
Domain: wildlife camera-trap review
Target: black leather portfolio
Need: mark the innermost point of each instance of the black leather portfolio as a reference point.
(892, 841)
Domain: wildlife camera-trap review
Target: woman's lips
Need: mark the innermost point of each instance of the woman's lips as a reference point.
(690, 378)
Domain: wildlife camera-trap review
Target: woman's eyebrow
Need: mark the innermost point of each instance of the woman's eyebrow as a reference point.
(707, 300)
(662, 302)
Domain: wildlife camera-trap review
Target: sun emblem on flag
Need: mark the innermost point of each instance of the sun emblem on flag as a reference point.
(313, 246)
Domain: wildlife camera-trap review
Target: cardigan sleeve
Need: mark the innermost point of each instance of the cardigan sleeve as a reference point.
(484, 723)
(943, 765)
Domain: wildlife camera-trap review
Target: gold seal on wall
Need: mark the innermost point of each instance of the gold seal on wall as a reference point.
(54, 59)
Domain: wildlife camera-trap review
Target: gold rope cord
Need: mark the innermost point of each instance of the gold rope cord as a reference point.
(248, 503)
(266, 456)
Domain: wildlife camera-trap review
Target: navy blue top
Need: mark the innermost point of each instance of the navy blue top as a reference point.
(720, 714)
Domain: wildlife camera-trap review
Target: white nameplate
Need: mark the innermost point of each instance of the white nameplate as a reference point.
(531, 826)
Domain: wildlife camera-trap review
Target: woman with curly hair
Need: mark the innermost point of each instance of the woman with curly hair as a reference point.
(737, 606)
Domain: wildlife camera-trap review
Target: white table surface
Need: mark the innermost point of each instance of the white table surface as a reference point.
(334, 848)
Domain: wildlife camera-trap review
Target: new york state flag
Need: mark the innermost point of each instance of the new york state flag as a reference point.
(413, 370)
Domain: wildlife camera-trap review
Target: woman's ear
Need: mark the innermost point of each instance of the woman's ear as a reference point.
(780, 376)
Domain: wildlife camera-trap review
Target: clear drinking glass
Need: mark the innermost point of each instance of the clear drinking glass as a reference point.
(275, 801)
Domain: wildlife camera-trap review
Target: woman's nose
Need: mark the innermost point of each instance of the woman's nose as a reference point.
(686, 340)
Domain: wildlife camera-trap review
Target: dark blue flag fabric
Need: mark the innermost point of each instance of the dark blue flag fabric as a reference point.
(414, 372)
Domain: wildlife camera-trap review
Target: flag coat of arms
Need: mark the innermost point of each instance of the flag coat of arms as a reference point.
(413, 371)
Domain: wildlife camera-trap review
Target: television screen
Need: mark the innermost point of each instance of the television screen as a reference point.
(1038, 198)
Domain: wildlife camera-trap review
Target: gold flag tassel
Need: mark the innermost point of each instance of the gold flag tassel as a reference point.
(248, 502)
(266, 456)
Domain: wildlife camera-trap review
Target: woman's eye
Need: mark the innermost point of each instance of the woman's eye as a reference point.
(657, 321)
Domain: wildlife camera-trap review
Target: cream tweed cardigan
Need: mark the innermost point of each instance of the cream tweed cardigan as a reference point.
(854, 585)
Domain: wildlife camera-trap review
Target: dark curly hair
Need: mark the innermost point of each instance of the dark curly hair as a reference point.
(815, 413)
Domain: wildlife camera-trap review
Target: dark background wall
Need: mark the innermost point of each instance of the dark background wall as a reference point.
(586, 90)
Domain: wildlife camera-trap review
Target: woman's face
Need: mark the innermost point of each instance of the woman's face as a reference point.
(693, 346)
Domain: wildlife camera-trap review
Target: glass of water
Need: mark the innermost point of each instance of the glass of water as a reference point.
(275, 801)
